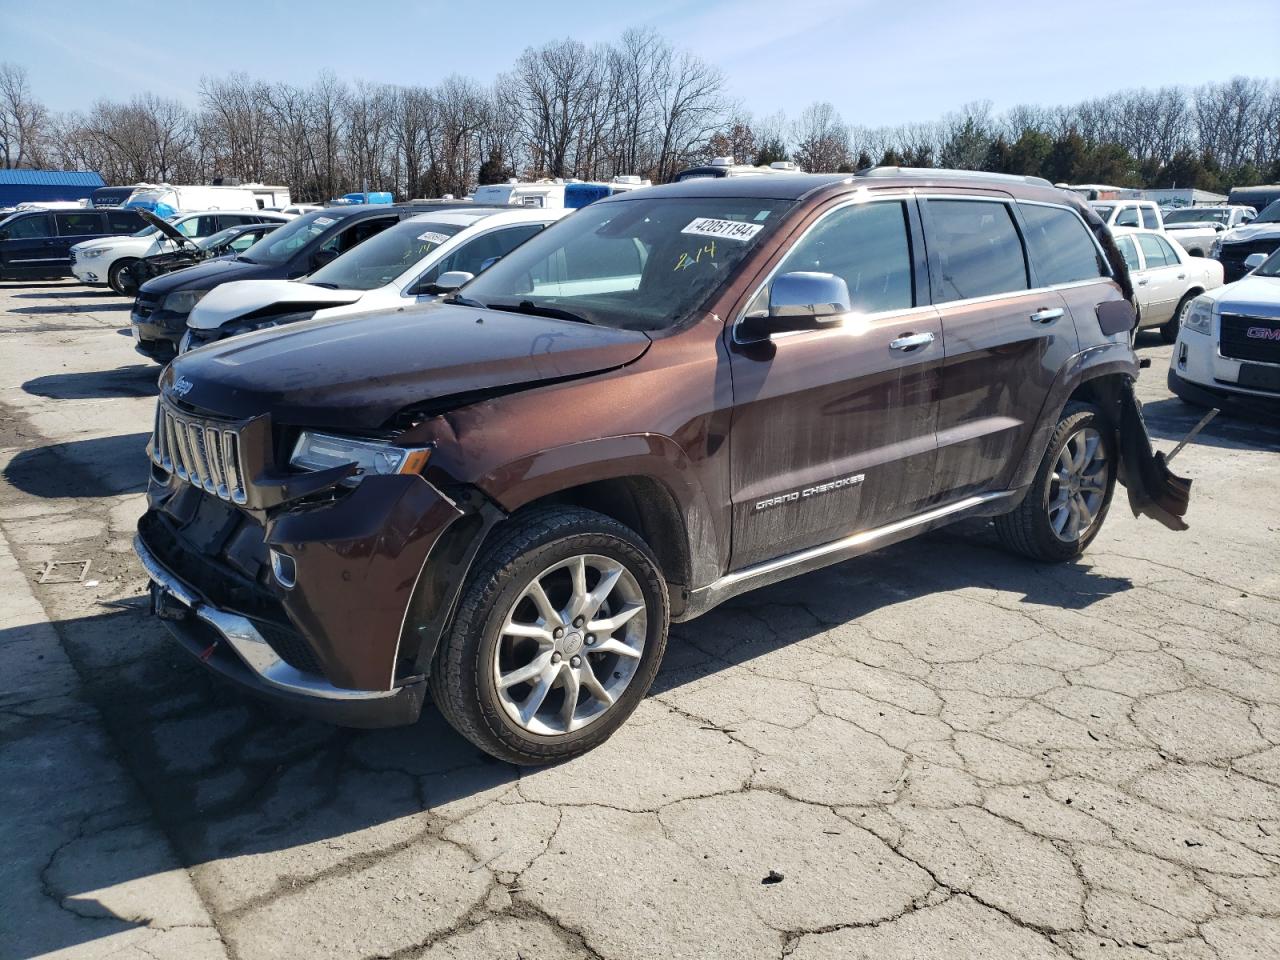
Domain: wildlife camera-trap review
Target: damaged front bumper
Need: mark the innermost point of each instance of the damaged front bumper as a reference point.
(319, 602)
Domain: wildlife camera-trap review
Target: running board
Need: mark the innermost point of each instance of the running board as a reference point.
(815, 558)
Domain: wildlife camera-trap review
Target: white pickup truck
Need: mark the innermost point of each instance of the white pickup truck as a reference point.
(1196, 228)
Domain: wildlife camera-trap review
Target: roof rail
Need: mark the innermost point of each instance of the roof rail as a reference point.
(924, 172)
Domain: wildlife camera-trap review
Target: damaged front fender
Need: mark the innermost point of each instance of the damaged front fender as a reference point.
(1154, 490)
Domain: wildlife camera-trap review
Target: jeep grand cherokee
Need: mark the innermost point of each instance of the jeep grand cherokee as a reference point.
(673, 396)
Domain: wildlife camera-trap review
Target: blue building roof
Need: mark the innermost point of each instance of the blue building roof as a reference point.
(50, 178)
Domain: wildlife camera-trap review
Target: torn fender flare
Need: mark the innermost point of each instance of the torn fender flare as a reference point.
(1154, 490)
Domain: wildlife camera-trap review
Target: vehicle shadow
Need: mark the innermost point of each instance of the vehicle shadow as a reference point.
(139, 380)
(100, 467)
(89, 292)
(63, 308)
(230, 777)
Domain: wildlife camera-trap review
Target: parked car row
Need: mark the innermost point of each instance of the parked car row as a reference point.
(612, 419)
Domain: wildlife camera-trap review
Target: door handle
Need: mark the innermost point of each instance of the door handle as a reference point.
(909, 341)
(1182, 276)
(1047, 315)
(1142, 282)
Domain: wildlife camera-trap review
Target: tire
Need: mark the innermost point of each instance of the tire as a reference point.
(118, 281)
(544, 546)
(1169, 331)
(1032, 529)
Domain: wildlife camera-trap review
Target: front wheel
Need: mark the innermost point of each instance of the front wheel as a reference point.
(1069, 498)
(559, 634)
(119, 277)
(1169, 331)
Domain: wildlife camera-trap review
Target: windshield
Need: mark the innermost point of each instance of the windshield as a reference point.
(279, 245)
(1197, 215)
(382, 258)
(642, 264)
(1271, 214)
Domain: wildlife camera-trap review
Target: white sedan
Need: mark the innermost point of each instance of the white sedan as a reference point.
(402, 265)
(1165, 278)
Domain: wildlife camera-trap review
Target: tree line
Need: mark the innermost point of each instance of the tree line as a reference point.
(636, 106)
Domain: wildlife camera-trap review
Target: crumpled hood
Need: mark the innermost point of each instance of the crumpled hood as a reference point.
(1251, 231)
(209, 274)
(1253, 294)
(231, 301)
(356, 373)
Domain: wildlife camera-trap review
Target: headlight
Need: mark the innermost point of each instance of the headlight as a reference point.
(322, 451)
(1199, 316)
(182, 301)
(90, 254)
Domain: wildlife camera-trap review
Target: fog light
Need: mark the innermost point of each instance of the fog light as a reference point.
(284, 568)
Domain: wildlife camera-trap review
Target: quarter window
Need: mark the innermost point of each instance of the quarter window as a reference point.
(1150, 218)
(78, 224)
(1060, 245)
(978, 252)
(1155, 251)
(123, 221)
(868, 246)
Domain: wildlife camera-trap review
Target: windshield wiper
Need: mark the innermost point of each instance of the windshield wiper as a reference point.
(462, 301)
(538, 310)
(243, 259)
(321, 283)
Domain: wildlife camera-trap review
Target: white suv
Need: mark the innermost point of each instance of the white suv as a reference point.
(103, 261)
(1228, 349)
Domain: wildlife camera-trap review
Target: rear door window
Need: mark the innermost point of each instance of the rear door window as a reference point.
(867, 245)
(1155, 251)
(1127, 217)
(975, 249)
(1129, 252)
(78, 224)
(1061, 246)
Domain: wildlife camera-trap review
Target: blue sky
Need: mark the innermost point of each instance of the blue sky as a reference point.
(878, 63)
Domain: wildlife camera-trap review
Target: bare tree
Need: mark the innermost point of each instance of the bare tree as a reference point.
(822, 139)
(22, 117)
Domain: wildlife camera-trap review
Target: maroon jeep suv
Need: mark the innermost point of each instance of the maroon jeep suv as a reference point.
(669, 398)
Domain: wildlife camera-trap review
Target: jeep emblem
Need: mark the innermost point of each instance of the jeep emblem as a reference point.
(181, 387)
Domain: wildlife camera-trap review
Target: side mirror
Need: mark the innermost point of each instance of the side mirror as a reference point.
(451, 280)
(1254, 260)
(805, 301)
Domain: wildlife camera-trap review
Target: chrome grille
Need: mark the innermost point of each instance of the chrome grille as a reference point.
(204, 454)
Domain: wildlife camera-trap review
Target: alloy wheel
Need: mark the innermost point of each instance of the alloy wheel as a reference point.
(570, 645)
(1078, 487)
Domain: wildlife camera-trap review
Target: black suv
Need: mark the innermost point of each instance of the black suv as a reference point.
(37, 243)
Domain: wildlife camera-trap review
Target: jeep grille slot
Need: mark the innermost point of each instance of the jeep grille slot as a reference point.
(206, 455)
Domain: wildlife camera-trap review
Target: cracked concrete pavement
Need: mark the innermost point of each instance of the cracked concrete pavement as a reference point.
(944, 751)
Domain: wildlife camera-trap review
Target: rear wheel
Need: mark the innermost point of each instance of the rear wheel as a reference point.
(118, 278)
(1069, 498)
(559, 634)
